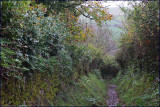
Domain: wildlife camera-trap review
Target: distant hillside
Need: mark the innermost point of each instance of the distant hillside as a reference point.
(115, 11)
(114, 25)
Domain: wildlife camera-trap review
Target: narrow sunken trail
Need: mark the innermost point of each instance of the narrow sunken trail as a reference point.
(112, 96)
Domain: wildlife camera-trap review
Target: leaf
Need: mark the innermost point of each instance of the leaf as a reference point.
(3, 41)
(21, 25)
(25, 69)
(18, 77)
(16, 60)
(8, 51)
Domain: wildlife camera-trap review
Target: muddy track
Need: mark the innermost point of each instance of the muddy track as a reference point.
(112, 96)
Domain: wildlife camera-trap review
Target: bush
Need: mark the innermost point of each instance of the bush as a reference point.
(140, 40)
(43, 54)
(110, 67)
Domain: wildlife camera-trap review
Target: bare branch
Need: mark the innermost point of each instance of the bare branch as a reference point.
(88, 16)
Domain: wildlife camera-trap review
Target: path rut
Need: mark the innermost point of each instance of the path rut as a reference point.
(112, 96)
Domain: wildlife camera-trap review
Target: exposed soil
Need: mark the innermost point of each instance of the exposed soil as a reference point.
(112, 96)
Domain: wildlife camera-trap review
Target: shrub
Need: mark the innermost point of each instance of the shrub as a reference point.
(41, 55)
(140, 40)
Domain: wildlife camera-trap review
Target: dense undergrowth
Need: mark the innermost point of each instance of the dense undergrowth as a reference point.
(138, 80)
(136, 89)
(49, 58)
(44, 52)
(88, 90)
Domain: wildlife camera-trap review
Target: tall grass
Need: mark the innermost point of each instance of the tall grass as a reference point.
(136, 89)
(87, 91)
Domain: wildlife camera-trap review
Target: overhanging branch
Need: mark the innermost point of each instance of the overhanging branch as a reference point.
(88, 16)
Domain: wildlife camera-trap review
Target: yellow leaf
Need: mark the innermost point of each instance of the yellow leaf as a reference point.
(83, 35)
(143, 15)
(142, 25)
(31, 7)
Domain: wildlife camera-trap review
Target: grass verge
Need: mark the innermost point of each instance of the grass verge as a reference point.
(136, 89)
(89, 90)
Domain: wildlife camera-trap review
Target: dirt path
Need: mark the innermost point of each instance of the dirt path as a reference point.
(112, 96)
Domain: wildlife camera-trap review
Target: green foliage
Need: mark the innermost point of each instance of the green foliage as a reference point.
(93, 10)
(34, 37)
(86, 92)
(110, 66)
(41, 55)
(137, 81)
(140, 40)
(40, 90)
(95, 52)
(32, 40)
(136, 89)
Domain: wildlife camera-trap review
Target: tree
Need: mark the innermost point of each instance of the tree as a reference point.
(140, 40)
(90, 9)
